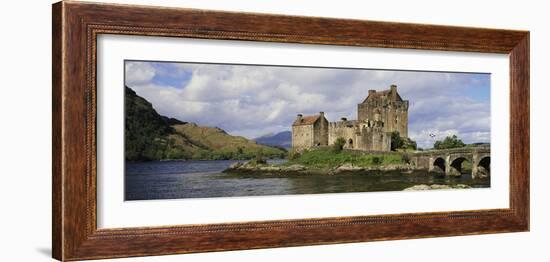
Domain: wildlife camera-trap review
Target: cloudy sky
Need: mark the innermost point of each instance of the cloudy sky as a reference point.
(252, 101)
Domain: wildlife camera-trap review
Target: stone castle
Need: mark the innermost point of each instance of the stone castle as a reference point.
(380, 114)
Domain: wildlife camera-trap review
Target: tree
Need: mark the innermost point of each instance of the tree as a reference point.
(449, 142)
(259, 158)
(396, 141)
(339, 144)
(411, 144)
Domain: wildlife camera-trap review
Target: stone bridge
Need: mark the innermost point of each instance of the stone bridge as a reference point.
(449, 161)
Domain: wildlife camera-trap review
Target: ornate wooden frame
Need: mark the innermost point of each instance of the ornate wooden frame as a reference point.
(76, 26)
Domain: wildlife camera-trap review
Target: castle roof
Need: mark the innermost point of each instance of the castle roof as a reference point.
(379, 95)
(306, 120)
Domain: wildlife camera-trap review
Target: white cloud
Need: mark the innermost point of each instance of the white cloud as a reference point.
(255, 100)
(139, 72)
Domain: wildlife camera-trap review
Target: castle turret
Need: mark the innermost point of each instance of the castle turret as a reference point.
(393, 92)
(386, 106)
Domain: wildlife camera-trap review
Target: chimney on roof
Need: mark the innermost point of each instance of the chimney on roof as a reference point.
(393, 91)
(322, 113)
(372, 91)
(344, 119)
(299, 118)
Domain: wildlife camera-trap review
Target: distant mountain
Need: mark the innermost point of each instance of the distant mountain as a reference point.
(282, 139)
(151, 136)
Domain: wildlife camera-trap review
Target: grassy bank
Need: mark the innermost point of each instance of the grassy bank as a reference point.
(324, 158)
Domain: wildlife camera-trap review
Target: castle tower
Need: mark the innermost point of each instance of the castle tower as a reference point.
(386, 106)
(309, 131)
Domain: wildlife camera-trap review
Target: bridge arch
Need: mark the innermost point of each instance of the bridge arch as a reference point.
(483, 167)
(456, 165)
(447, 160)
(438, 164)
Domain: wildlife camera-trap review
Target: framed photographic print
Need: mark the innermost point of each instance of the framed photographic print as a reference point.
(182, 130)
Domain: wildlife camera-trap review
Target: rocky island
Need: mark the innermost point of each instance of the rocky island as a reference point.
(328, 161)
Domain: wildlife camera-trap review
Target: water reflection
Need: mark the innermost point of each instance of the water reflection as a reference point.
(203, 179)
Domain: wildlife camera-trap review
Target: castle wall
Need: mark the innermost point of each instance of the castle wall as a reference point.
(394, 114)
(378, 116)
(302, 137)
(320, 129)
(359, 136)
(307, 136)
(375, 139)
(344, 129)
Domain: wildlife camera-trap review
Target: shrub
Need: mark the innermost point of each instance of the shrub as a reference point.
(326, 158)
(410, 144)
(396, 141)
(449, 142)
(339, 144)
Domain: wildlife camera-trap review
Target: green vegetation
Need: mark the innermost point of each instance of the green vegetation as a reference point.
(399, 143)
(396, 141)
(449, 142)
(145, 130)
(151, 136)
(409, 144)
(338, 145)
(221, 146)
(326, 158)
(259, 158)
(293, 155)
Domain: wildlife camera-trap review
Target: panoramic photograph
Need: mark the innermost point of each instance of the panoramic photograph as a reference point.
(203, 130)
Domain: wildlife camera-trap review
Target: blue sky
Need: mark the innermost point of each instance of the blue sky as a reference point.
(252, 101)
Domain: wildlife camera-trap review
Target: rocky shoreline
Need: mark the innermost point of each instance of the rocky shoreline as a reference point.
(347, 168)
(436, 187)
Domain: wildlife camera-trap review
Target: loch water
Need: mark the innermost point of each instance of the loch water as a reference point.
(204, 179)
